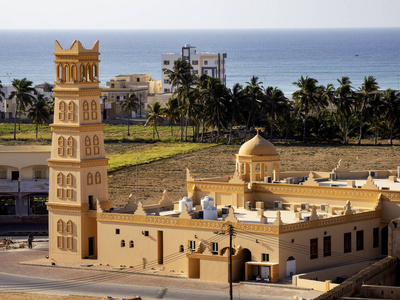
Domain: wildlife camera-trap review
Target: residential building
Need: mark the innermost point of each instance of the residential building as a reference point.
(284, 223)
(120, 87)
(211, 64)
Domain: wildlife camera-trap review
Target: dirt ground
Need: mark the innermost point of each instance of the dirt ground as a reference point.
(30, 296)
(170, 174)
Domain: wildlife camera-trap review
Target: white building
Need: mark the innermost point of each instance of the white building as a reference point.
(211, 64)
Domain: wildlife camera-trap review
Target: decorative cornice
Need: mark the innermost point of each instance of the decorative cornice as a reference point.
(67, 207)
(211, 257)
(77, 128)
(255, 158)
(59, 92)
(215, 187)
(58, 163)
(73, 57)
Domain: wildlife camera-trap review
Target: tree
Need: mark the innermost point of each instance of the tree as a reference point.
(171, 112)
(23, 95)
(391, 109)
(179, 76)
(235, 97)
(39, 112)
(374, 108)
(2, 95)
(155, 116)
(306, 99)
(129, 105)
(344, 102)
(216, 106)
(253, 95)
(367, 89)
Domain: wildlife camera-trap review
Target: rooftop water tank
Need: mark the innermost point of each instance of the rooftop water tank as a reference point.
(210, 213)
(186, 201)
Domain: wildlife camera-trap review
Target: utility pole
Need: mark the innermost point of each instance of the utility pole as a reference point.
(230, 261)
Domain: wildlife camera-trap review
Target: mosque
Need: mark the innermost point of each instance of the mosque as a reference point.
(284, 223)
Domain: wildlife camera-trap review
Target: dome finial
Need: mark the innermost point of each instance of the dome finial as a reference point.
(258, 131)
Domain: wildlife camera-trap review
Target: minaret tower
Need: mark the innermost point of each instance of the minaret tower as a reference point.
(78, 167)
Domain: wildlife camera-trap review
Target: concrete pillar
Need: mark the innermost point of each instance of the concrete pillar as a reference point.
(276, 176)
(253, 172)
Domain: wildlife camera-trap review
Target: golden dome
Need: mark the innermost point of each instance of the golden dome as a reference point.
(258, 146)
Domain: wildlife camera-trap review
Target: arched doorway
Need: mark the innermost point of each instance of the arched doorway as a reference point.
(246, 256)
(384, 241)
(290, 266)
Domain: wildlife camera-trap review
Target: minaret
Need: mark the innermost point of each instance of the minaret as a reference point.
(77, 167)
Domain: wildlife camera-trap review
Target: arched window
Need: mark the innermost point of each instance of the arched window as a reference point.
(98, 177)
(85, 110)
(88, 143)
(64, 73)
(70, 146)
(83, 73)
(3, 173)
(89, 72)
(69, 227)
(89, 178)
(71, 108)
(131, 244)
(181, 248)
(94, 109)
(60, 226)
(96, 145)
(123, 243)
(61, 110)
(95, 71)
(70, 179)
(58, 72)
(60, 146)
(73, 73)
(60, 178)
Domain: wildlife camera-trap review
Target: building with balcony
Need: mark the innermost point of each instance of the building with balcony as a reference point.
(24, 180)
(211, 64)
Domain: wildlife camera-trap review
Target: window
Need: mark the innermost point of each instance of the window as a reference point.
(313, 248)
(70, 180)
(68, 228)
(70, 146)
(167, 90)
(264, 257)
(90, 178)
(195, 72)
(60, 226)
(69, 242)
(123, 243)
(94, 110)
(206, 72)
(85, 110)
(61, 110)
(166, 81)
(60, 242)
(192, 245)
(39, 173)
(327, 246)
(375, 238)
(3, 173)
(181, 248)
(60, 144)
(68, 193)
(92, 203)
(71, 111)
(347, 242)
(60, 178)
(214, 248)
(96, 145)
(98, 178)
(60, 193)
(166, 62)
(195, 62)
(360, 240)
(88, 143)
(117, 231)
(131, 244)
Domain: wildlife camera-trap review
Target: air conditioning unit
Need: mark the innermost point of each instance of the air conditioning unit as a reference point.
(306, 218)
(305, 178)
(385, 188)
(268, 179)
(290, 180)
(373, 174)
(332, 176)
(277, 204)
(324, 207)
(357, 210)
(304, 206)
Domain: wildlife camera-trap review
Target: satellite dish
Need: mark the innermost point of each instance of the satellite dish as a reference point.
(84, 79)
(59, 79)
(72, 80)
(95, 78)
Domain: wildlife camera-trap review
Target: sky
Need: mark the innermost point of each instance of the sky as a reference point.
(203, 14)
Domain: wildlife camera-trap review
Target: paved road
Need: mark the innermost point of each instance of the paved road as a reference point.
(17, 283)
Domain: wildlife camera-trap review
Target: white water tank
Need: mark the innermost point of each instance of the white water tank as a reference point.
(204, 202)
(186, 201)
(210, 213)
(211, 202)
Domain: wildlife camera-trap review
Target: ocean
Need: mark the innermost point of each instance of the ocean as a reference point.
(277, 57)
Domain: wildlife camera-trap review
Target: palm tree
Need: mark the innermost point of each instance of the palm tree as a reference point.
(23, 95)
(39, 112)
(253, 95)
(367, 89)
(171, 112)
(344, 102)
(235, 97)
(391, 108)
(179, 76)
(216, 107)
(2, 95)
(306, 98)
(375, 106)
(156, 115)
(129, 105)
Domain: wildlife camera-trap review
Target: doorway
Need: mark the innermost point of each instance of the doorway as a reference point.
(91, 246)
(290, 266)
(14, 175)
(384, 241)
